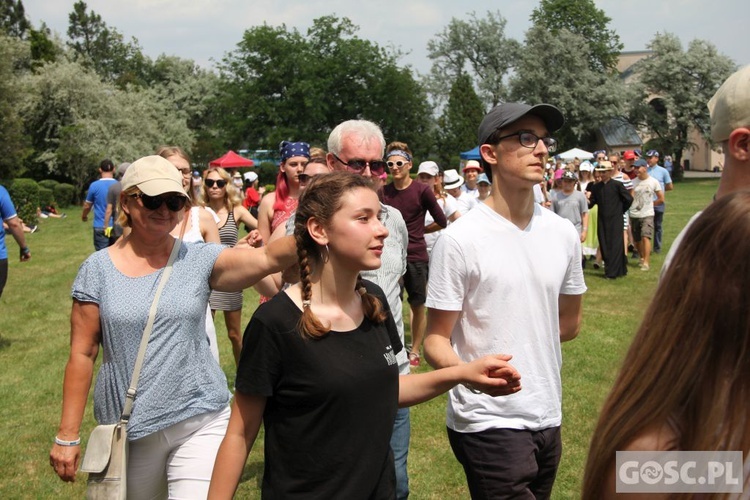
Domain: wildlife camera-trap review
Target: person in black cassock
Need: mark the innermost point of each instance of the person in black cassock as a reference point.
(613, 201)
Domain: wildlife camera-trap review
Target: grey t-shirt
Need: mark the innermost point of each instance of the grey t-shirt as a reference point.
(572, 207)
(180, 378)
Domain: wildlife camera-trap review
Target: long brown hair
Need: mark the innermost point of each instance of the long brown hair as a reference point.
(321, 199)
(689, 364)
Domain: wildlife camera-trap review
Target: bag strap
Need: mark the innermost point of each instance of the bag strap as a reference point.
(130, 395)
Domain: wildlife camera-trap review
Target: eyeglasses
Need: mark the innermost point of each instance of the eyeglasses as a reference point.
(377, 167)
(529, 140)
(396, 164)
(175, 202)
(220, 183)
(185, 172)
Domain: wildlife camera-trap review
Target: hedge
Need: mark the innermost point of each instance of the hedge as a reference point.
(49, 184)
(46, 197)
(64, 194)
(25, 195)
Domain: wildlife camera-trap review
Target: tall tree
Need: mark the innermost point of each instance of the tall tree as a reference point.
(44, 46)
(477, 47)
(104, 49)
(582, 17)
(587, 98)
(65, 113)
(14, 145)
(457, 127)
(190, 92)
(281, 85)
(673, 89)
(13, 18)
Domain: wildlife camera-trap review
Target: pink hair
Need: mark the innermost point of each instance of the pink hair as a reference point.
(282, 191)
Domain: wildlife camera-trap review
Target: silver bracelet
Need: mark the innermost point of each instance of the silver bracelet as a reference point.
(62, 442)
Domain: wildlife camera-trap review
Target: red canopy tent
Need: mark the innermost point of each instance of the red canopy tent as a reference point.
(231, 160)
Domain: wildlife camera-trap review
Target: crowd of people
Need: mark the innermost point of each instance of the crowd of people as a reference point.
(324, 365)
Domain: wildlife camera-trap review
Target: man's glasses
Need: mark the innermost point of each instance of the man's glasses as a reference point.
(185, 172)
(377, 167)
(220, 183)
(175, 202)
(397, 164)
(529, 140)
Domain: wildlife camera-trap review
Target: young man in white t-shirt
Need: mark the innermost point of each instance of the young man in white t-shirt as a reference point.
(496, 288)
(645, 189)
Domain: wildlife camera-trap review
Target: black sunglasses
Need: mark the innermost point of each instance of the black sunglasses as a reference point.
(175, 202)
(397, 164)
(377, 167)
(220, 183)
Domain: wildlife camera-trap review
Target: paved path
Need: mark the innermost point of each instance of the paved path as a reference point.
(701, 174)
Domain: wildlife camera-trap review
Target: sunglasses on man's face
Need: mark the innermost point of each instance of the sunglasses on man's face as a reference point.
(175, 202)
(220, 183)
(377, 167)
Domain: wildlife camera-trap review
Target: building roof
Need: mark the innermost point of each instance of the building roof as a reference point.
(619, 132)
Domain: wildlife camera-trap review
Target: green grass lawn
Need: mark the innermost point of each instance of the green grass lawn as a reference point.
(34, 331)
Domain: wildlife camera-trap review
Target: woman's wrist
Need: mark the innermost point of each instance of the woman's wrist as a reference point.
(65, 442)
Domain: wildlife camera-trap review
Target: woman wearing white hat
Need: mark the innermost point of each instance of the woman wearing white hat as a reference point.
(429, 173)
(181, 408)
(453, 183)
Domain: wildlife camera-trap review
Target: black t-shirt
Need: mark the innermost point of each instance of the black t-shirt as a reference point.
(330, 407)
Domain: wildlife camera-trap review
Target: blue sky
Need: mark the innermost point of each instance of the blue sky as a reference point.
(204, 30)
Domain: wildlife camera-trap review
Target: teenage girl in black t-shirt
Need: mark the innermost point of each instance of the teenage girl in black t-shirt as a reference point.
(318, 364)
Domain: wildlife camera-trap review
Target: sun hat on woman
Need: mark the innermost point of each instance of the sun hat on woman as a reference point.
(153, 175)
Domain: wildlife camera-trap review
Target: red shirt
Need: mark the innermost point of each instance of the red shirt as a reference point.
(252, 198)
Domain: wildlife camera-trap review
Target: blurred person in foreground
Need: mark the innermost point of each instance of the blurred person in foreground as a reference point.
(684, 384)
(730, 127)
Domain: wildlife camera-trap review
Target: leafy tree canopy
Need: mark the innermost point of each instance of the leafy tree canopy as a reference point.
(103, 48)
(280, 85)
(457, 127)
(13, 20)
(582, 17)
(75, 120)
(14, 145)
(554, 69)
(476, 47)
(673, 89)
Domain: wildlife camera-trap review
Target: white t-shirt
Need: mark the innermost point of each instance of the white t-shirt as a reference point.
(472, 192)
(506, 283)
(450, 207)
(644, 193)
(466, 202)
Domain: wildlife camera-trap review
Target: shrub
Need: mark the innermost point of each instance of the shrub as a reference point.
(46, 197)
(49, 184)
(25, 195)
(64, 195)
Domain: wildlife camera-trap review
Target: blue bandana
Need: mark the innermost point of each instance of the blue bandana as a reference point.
(289, 149)
(398, 152)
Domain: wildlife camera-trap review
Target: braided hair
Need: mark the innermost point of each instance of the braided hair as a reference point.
(321, 199)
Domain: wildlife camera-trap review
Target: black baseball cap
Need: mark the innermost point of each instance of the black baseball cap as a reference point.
(506, 113)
